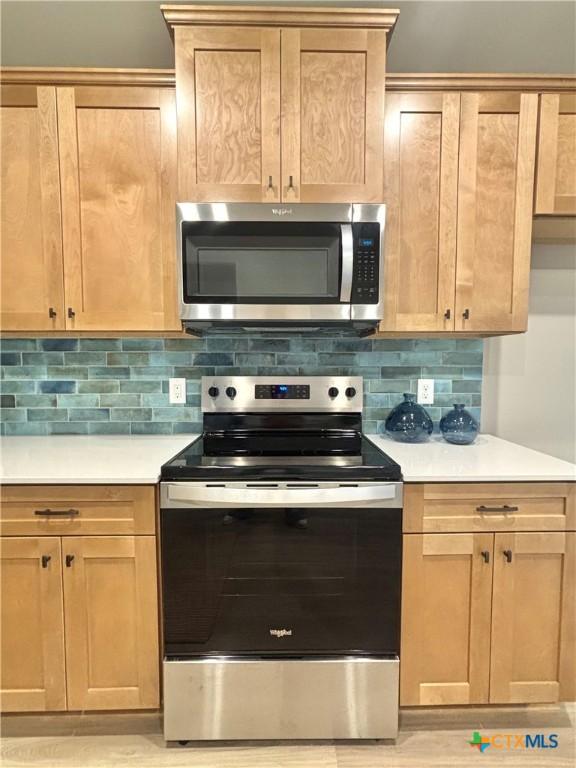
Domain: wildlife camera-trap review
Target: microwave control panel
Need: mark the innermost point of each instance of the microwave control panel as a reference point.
(365, 277)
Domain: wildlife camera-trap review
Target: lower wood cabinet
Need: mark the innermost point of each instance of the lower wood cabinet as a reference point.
(79, 614)
(489, 616)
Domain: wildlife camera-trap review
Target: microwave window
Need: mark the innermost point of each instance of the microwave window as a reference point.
(288, 266)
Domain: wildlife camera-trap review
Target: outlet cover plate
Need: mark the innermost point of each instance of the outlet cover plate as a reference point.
(177, 391)
(426, 391)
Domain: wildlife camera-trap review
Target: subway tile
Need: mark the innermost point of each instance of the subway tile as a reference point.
(96, 386)
(268, 345)
(175, 413)
(141, 386)
(277, 370)
(7, 401)
(89, 414)
(421, 358)
(467, 385)
(25, 428)
(108, 372)
(12, 414)
(434, 345)
(24, 372)
(381, 358)
(58, 345)
(192, 373)
(349, 359)
(17, 387)
(36, 401)
(47, 414)
(151, 372)
(67, 428)
(109, 428)
(43, 358)
(214, 358)
(99, 345)
(440, 372)
(151, 428)
(392, 345)
(158, 400)
(120, 401)
(472, 372)
(170, 358)
(79, 401)
(57, 387)
(18, 345)
(400, 372)
(187, 427)
(186, 345)
(289, 358)
(388, 385)
(85, 358)
(219, 344)
(142, 345)
(370, 426)
(67, 372)
(127, 358)
(15, 358)
(131, 414)
(462, 358)
(449, 399)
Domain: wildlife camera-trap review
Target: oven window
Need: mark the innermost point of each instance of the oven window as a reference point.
(262, 262)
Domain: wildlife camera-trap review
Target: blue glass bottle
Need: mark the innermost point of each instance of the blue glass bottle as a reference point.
(459, 426)
(408, 422)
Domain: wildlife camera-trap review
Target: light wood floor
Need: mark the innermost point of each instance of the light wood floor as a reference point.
(428, 738)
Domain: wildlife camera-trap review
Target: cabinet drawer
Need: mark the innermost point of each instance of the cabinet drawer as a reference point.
(469, 507)
(67, 510)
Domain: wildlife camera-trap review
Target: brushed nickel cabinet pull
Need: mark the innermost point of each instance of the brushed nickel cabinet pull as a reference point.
(270, 185)
(71, 312)
(447, 314)
(508, 555)
(485, 556)
(466, 314)
(45, 560)
(52, 313)
(290, 182)
(503, 510)
(57, 512)
(69, 560)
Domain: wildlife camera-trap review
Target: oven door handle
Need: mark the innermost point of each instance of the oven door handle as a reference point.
(347, 263)
(223, 496)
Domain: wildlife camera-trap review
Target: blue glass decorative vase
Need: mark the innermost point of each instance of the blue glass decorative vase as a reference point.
(408, 422)
(459, 426)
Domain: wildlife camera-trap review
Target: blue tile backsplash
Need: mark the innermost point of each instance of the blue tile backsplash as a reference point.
(120, 386)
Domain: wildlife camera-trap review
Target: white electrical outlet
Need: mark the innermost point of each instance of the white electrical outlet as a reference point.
(426, 391)
(177, 390)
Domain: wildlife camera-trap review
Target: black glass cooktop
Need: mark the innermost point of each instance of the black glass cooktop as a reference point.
(336, 457)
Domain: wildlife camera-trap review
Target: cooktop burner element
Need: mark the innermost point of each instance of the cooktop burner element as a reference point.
(284, 427)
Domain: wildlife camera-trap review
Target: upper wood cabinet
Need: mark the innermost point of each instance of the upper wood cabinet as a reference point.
(32, 293)
(459, 175)
(117, 166)
(88, 208)
(280, 104)
(556, 175)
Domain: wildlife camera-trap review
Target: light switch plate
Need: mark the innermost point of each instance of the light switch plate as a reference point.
(177, 391)
(426, 391)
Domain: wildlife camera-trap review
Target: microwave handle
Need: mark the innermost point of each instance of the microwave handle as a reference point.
(347, 263)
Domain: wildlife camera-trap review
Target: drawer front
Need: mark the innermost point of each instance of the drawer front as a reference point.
(72, 510)
(470, 507)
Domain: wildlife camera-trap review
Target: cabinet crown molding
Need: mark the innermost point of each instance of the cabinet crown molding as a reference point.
(278, 16)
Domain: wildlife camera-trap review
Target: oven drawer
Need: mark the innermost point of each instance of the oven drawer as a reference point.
(464, 507)
(71, 510)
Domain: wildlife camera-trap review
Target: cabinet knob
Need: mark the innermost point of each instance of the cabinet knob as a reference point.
(466, 314)
(69, 560)
(52, 313)
(508, 555)
(71, 312)
(447, 314)
(45, 560)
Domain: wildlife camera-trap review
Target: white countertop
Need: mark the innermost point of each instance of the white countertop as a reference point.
(489, 459)
(110, 459)
(133, 460)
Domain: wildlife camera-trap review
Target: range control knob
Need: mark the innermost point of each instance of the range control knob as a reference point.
(333, 392)
(231, 392)
(350, 392)
(213, 391)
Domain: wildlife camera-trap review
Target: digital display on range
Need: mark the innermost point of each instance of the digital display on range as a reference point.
(282, 391)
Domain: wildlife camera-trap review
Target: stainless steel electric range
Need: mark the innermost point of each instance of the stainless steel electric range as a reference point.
(281, 567)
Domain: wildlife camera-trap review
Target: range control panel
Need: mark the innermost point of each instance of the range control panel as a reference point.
(366, 262)
(286, 393)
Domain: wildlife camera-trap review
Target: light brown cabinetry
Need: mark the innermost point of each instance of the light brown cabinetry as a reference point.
(32, 288)
(459, 174)
(280, 105)
(488, 611)
(79, 612)
(88, 208)
(556, 174)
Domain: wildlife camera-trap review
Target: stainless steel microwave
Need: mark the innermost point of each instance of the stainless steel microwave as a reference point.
(275, 266)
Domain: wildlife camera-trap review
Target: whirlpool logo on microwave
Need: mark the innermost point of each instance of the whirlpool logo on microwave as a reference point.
(281, 632)
(517, 741)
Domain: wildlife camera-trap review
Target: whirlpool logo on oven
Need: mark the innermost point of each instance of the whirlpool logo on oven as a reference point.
(281, 632)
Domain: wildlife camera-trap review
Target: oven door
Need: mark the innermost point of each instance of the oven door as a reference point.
(284, 571)
(282, 270)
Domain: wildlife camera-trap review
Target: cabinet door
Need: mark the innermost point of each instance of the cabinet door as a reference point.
(533, 634)
(32, 677)
(333, 115)
(496, 181)
(228, 96)
(556, 179)
(446, 594)
(32, 296)
(118, 165)
(421, 183)
(111, 612)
